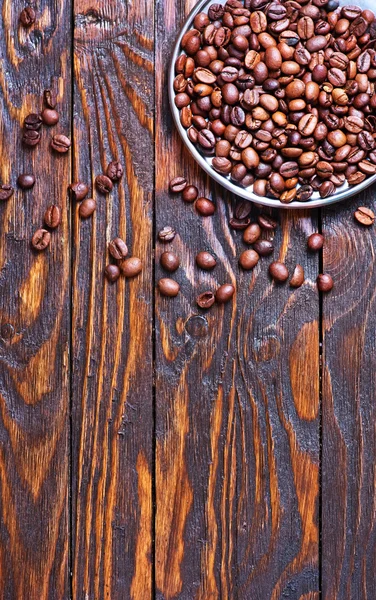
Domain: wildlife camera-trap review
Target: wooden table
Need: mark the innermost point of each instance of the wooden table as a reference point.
(147, 449)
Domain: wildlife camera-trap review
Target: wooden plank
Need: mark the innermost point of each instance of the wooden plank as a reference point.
(237, 398)
(349, 437)
(34, 313)
(112, 324)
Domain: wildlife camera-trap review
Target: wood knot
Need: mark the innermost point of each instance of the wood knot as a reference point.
(197, 326)
(7, 331)
(267, 349)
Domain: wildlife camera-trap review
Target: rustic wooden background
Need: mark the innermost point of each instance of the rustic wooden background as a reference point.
(243, 466)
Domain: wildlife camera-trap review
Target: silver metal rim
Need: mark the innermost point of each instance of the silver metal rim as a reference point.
(226, 182)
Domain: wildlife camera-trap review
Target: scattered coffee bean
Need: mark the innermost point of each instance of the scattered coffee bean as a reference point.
(31, 137)
(324, 283)
(103, 184)
(87, 207)
(224, 293)
(78, 190)
(297, 278)
(6, 191)
(205, 300)
(205, 260)
(315, 242)
(365, 216)
(52, 216)
(33, 122)
(130, 267)
(252, 233)
(112, 273)
(60, 143)
(168, 287)
(26, 181)
(278, 271)
(114, 171)
(205, 207)
(267, 222)
(49, 98)
(27, 16)
(166, 234)
(263, 247)
(50, 117)
(41, 239)
(118, 249)
(178, 184)
(243, 209)
(248, 259)
(190, 193)
(169, 261)
(239, 224)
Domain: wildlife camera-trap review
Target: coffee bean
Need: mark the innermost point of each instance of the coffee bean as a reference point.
(27, 16)
(52, 216)
(31, 137)
(130, 267)
(365, 216)
(248, 259)
(41, 239)
(60, 143)
(324, 283)
(304, 193)
(315, 241)
(6, 191)
(224, 293)
(267, 222)
(263, 247)
(239, 224)
(168, 287)
(169, 261)
(49, 98)
(278, 271)
(87, 207)
(50, 117)
(178, 184)
(26, 181)
(166, 234)
(327, 188)
(205, 207)
(112, 273)
(33, 122)
(78, 190)
(205, 300)
(205, 260)
(103, 184)
(118, 248)
(114, 171)
(297, 278)
(243, 209)
(252, 233)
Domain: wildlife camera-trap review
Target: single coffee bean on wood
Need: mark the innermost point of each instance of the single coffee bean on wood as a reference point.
(205, 300)
(168, 287)
(267, 222)
(50, 117)
(263, 247)
(33, 122)
(6, 191)
(78, 190)
(31, 137)
(205, 260)
(60, 143)
(41, 239)
(190, 193)
(112, 273)
(26, 181)
(49, 98)
(205, 207)
(324, 283)
(169, 261)
(118, 248)
(166, 234)
(252, 233)
(178, 184)
(248, 259)
(114, 171)
(315, 241)
(297, 278)
(87, 207)
(52, 216)
(27, 16)
(103, 184)
(278, 271)
(130, 267)
(365, 216)
(224, 293)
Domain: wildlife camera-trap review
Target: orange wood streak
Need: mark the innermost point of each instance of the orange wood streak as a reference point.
(304, 371)
(141, 586)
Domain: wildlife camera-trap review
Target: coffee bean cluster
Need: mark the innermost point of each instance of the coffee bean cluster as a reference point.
(128, 267)
(281, 95)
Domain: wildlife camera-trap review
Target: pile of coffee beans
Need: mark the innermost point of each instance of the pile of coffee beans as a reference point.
(281, 95)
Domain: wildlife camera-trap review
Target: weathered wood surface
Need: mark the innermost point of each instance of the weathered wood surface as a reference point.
(112, 418)
(237, 399)
(34, 314)
(348, 406)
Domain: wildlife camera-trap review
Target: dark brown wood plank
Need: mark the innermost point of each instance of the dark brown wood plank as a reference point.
(112, 324)
(237, 398)
(34, 313)
(349, 437)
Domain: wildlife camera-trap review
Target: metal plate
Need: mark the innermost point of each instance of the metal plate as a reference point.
(342, 193)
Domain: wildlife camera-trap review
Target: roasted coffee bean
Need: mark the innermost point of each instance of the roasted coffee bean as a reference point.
(252, 233)
(49, 98)
(243, 209)
(118, 248)
(289, 169)
(52, 216)
(263, 247)
(168, 287)
(205, 300)
(205, 260)
(87, 207)
(190, 193)
(78, 190)
(33, 122)
(169, 261)
(278, 271)
(60, 143)
(297, 278)
(26, 181)
(315, 242)
(248, 259)
(6, 191)
(50, 117)
(31, 137)
(166, 234)
(41, 239)
(112, 273)
(365, 216)
(130, 267)
(366, 141)
(224, 293)
(114, 171)
(239, 224)
(205, 207)
(178, 184)
(27, 16)
(324, 283)
(304, 193)
(327, 188)
(267, 222)
(103, 184)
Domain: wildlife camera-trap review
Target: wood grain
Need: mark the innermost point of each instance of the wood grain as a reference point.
(34, 314)
(349, 436)
(237, 398)
(112, 421)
